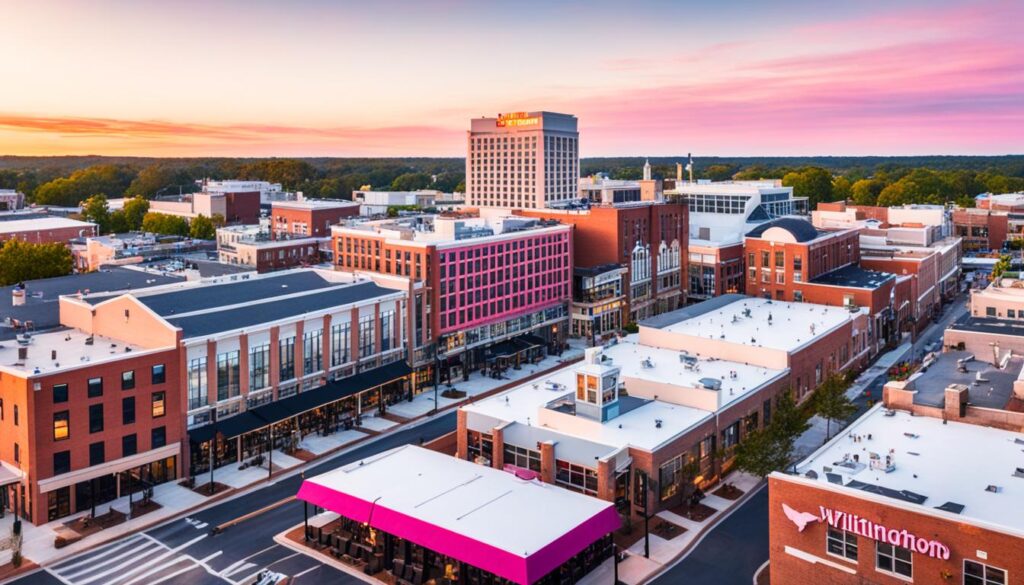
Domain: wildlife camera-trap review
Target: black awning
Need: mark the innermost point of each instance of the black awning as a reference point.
(333, 391)
(229, 427)
(532, 339)
(280, 410)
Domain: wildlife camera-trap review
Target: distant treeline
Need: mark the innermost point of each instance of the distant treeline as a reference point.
(68, 180)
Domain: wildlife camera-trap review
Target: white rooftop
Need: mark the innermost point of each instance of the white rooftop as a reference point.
(666, 366)
(636, 428)
(792, 325)
(490, 506)
(72, 352)
(953, 462)
(314, 204)
(41, 224)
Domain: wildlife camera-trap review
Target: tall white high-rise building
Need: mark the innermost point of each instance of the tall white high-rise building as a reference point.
(522, 160)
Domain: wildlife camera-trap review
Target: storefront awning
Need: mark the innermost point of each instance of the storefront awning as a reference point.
(280, 410)
(518, 529)
(9, 474)
(350, 386)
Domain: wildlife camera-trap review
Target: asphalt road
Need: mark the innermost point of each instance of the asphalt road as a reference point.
(185, 552)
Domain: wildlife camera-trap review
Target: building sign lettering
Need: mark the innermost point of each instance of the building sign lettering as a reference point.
(517, 119)
(868, 529)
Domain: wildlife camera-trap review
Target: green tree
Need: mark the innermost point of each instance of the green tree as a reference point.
(719, 172)
(762, 452)
(461, 187)
(218, 220)
(21, 261)
(161, 178)
(814, 183)
(411, 182)
(119, 222)
(788, 420)
(831, 403)
(95, 209)
(202, 228)
(866, 191)
(135, 209)
(162, 223)
(291, 173)
(106, 179)
(841, 189)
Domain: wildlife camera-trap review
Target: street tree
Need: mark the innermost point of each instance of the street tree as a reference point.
(21, 261)
(831, 402)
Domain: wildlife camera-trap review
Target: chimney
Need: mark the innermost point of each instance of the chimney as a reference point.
(18, 295)
(679, 173)
(22, 353)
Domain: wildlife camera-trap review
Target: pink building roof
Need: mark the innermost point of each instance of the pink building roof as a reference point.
(518, 529)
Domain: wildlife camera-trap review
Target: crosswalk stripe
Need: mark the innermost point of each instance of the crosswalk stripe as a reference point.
(135, 554)
(244, 567)
(138, 568)
(98, 555)
(162, 567)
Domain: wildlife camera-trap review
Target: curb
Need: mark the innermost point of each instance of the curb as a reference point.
(685, 552)
(322, 458)
(760, 569)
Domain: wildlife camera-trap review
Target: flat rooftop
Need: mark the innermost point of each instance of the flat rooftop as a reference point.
(990, 325)
(314, 204)
(667, 366)
(935, 463)
(456, 506)
(853, 276)
(41, 224)
(636, 426)
(71, 351)
(988, 386)
(753, 321)
(42, 296)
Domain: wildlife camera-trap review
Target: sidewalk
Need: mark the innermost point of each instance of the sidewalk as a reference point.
(176, 500)
(814, 437)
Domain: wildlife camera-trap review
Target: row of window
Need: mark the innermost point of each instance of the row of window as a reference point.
(97, 451)
(899, 561)
(228, 364)
(62, 419)
(94, 386)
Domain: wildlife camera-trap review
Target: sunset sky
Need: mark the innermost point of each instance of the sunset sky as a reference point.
(396, 78)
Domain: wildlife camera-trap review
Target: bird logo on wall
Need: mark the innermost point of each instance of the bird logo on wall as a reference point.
(801, 519)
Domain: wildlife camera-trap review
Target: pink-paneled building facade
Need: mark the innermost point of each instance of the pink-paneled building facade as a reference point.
(498, 286)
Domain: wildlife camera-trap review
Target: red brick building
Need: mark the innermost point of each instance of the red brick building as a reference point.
(498, 287)
(648, 238)
(43, 230)
(87, 418)
(311, 217)
(981, 229)
(908, 493)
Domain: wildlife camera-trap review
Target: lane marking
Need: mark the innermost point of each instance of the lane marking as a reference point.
(158, 568)
(174, 574)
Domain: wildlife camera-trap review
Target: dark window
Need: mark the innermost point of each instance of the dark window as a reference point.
(976, 573)
(61, 425)
(96, 454)
(990, 311)
(61, 462)
(96, 418)
(841, 543)
(129, 445)
(95, 387)
(15, 415)
(159, 374)
(159, 437)
(128, 410)
(60, 393)
(128, 380)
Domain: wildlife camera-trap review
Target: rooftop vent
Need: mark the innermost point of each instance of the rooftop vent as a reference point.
(711, 383)
(993, 488)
